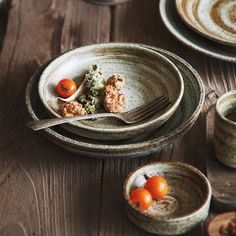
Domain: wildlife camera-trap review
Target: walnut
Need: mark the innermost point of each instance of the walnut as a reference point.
(117, 81)
(113, 100)
(72, 108)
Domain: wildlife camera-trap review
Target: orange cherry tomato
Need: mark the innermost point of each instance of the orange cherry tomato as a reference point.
(157, 186)
(141, 198)
(66, 87)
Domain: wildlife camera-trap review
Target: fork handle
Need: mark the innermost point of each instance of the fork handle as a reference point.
(46, 123)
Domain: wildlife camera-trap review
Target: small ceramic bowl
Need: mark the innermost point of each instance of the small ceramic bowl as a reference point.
(147, 73)
(185, 206)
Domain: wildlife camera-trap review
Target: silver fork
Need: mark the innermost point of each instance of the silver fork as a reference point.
(133, 116)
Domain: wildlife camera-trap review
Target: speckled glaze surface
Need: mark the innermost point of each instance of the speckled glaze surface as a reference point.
(215, 19)
(182, 32)
(147, 73)
(178, 125)
(107, 2)
(185, 206)
(225, 130)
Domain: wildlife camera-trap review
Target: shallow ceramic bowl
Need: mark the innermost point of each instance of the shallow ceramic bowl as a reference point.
(185, 206)
(178, 125)
(212, 19)
(148, 74)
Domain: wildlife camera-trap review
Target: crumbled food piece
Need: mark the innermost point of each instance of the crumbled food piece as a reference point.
(117, 81)
(94, 78)
(232, 228)
(113, 101)
(72, 108)
(229, 229)
(94, 90)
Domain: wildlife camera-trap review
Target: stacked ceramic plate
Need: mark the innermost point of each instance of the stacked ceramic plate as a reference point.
(208, 26)
(149, 73)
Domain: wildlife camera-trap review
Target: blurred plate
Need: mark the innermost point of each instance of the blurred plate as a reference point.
(190, 38)
(213, 19)
(183, 119)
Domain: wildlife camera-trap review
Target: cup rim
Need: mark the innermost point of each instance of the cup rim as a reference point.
(220, 99)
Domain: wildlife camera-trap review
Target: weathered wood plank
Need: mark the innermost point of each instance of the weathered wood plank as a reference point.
(4, 11)
(140, 22)
(43, 189)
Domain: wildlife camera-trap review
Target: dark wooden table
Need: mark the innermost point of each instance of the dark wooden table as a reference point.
(45, 190)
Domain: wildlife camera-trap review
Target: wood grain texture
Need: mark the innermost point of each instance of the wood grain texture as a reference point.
(144, 26)
(43, 189)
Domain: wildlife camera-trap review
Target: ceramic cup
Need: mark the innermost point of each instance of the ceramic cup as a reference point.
(225, 129)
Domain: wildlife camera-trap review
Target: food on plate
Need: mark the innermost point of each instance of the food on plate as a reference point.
(72, 108)
(94, 94)
(113, 100)
(66, 87)
(94, 84)
(157, 186)
(141, 198)
(117, 81)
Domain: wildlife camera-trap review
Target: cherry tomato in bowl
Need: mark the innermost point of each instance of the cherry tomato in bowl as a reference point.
(66, 87)
(157, 186)
(141, 198)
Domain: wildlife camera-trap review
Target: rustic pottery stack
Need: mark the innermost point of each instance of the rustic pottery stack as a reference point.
(150, 73)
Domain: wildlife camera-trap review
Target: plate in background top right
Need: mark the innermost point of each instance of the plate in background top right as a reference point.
(214, 19)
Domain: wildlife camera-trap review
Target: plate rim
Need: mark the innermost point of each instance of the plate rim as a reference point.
(153, 144)
(184, 40)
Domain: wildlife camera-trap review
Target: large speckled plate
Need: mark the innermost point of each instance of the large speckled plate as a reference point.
(183, 119)
(147, 74)
(182, 32)
(215, 19)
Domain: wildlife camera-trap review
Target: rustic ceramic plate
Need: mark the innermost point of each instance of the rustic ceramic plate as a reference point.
(185, 206)
(147, 73)
(190, 38)
(183, 119)
(213, 19)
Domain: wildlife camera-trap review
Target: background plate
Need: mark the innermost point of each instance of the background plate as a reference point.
(213, 19)
(190, 38)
